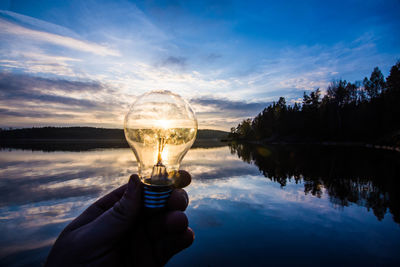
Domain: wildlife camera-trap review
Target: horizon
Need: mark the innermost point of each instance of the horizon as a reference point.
(48, 126)
(82, 63)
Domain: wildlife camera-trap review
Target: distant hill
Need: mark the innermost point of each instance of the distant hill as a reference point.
(211, 134)
(87, 133)
(86, 138)
(63, 133)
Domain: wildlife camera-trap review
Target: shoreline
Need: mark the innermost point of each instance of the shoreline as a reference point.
(81, 144)
(322, 143)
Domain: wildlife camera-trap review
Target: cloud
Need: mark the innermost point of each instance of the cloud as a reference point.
(226, 105)
(12, 81)
(50, 101)
(222, 113)
(38, 62)
(36, 23)
(28, 88)
(174, 61)
(33, 114)
(23, 33)
(213, 56)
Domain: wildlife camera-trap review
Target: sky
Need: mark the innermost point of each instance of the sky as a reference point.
(83, 63)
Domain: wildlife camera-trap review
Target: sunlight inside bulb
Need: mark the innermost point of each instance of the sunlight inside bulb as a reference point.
(165, 124)
(160, 128)
(164, 155)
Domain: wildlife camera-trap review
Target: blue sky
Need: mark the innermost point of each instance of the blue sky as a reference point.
(85, 62)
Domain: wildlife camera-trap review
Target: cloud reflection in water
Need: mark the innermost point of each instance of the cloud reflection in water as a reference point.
(230, 203)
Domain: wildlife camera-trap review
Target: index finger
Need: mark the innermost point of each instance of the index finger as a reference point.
(98, 207)
(183, 179)
(179, 200)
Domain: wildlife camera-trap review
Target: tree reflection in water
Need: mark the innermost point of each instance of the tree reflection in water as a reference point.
(364, 176)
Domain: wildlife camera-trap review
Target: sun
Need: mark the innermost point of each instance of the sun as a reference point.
(165, 124)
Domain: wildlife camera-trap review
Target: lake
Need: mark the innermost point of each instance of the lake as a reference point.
(249, 205)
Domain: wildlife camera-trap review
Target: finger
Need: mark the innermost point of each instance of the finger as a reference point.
(174, 244)
(110, 199)
(170, 222)
(178, 200)
(97, 208)
(176, 222)
(110, 226)
(183, 179)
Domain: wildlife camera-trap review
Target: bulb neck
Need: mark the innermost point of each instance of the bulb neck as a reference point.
(159, 172)
(157, 188)
(155, 197)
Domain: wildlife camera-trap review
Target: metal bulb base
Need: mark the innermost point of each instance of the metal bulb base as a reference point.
(155, 196)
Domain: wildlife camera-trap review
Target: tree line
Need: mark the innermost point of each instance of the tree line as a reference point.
(367, 111)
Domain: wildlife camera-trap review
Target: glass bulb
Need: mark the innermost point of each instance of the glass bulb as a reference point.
(160, 127)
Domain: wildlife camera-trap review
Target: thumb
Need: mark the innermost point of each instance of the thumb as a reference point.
(126, 210)
(116, 221)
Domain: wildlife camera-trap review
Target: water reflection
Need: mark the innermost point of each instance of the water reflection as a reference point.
(367, 177)
(236, 213)
(40, 192)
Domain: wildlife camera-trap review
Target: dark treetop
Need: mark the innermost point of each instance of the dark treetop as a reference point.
(366, 112)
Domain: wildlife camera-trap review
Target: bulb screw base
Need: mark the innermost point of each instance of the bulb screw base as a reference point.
(155, 197)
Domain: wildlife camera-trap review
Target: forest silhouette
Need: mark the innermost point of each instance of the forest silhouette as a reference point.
(366, 112)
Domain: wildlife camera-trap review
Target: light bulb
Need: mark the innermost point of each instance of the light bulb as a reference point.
(160, 127)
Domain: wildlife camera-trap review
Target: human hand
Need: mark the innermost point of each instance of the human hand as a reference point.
(115, 231)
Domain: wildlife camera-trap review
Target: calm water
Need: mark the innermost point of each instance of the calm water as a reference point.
(249, 205)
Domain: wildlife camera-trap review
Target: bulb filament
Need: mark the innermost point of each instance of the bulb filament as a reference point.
(161, 145)
(159, 172)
